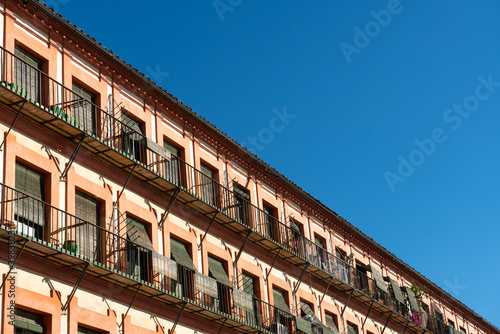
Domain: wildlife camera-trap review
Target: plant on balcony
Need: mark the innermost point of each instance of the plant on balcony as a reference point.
(419, 291)
(71, 246)
(416, 318)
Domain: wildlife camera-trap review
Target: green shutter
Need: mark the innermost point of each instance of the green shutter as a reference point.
(83, 108)
(294, 226)
(303, 325)
(351, 329)
(413, 300)
(397, 291)
(218, 272)
(307, 310)
(280, 301)
(206, 285)
(165, 266)
(29, 321)
(137, 233)
(241, 193)
(330, 323)
(171, 148)
(248, 283)
(181, 255)
(379, 281)
(31, 183)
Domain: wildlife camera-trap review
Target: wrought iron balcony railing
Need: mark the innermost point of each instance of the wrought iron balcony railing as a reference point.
(99, 246)
(69, 106)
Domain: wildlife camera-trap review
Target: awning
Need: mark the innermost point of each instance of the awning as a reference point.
(308, 311)
(164, 266)
(413, 300)
(280, 301)
(29, 321)
(137, 233)
(243, 300)
(206, 285)
(378, 279)
(351, 329)
(238, 191)
(397, 290)
(294, 226)
(181, 255)
(303, 325)
(217, 270)
(156, 148)
(330, 323)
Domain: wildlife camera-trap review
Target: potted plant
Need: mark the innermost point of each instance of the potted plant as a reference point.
(71, 246)
(9, 224)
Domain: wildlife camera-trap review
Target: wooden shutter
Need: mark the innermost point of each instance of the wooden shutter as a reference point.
(180, 254)
(83, 108)
(138, 234)
(31, 183)
(172, 149)
(216, 269)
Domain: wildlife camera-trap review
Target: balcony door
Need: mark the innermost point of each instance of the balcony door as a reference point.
(28, 69)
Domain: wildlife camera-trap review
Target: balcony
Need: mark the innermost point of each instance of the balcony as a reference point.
(68, 114)
(71, 242)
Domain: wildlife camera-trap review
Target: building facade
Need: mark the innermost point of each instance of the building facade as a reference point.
(123, 211)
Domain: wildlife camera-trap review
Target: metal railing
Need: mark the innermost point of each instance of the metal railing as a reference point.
(55, 98)
(39, 221)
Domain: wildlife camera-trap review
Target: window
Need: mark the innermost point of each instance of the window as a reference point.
(352, 328)
(362, 277)
(320, 249)
(28, 73)
(28, 323)
(207, 184)
(224, 285)
(83, 108)
(296, 237)
(29, 211)
(332, 323)
(138, 250)
(242, 205)
(85, 232)
(342, 267)
(282, 320)
(82, 330)
(132, 137)
(246, 302)
(451, 324)
(269, 222)
(185, 268)
(462, 330)
(173, 167)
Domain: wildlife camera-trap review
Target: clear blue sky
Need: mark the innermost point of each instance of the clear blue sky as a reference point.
(396, 120)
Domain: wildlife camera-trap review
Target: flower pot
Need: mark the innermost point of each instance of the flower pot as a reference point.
(70, 246)
(10, 225)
